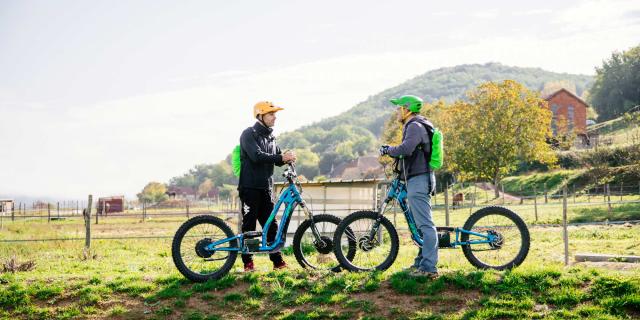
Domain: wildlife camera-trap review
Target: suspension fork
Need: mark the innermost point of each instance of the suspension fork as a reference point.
(376, 223)
(309, 214)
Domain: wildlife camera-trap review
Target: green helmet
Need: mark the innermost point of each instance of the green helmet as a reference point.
(413, 103)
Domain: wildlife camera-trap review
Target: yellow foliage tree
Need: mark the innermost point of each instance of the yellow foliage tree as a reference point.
(153, 192)
(501, 125)
(205, 187)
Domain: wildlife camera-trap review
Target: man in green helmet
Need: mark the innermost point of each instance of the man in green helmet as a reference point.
(412, 163)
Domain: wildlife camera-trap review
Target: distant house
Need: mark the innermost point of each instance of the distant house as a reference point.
(366, 167)
(110, 204)
(6, 206)
(213, 193)
(571, 108)
(178, 192)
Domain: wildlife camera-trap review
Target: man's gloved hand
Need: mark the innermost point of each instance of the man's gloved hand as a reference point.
(384, 150)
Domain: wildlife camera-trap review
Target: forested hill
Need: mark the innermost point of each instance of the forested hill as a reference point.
(355, 132)
(449, 84)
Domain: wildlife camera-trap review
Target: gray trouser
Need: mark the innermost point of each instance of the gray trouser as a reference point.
(419, 194)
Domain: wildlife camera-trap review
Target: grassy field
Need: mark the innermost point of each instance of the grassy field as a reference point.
(136, 279)
(618, 131)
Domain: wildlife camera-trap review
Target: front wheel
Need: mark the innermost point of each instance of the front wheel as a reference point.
(373, 238)
(317, 253)
(511, 239)
(189, 249)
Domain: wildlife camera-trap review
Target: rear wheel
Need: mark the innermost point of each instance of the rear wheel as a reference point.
(318, 253)
(511, 239)
(372, 252)
(189, 253)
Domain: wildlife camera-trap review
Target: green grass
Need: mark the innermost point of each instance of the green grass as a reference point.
(628, 211)
(550, 181)
(133, 279)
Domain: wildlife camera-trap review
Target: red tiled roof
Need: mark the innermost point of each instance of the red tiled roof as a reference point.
(567, 91)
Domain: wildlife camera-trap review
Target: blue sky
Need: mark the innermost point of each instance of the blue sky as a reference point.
(103, 96)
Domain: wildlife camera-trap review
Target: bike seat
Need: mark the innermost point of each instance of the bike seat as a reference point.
(450, 229)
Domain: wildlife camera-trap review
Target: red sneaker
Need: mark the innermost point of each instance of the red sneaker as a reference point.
(248, 267)
(280, 266)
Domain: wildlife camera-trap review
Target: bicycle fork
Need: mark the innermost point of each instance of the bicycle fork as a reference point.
(314, 229)
(375, 228)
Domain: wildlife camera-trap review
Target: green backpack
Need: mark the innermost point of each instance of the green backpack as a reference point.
(236, 161)
(435, 153)
(436, 149)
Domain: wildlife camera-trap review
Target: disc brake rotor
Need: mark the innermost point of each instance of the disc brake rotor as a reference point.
(325, 246)
(201, 250)
(498, 240)
(365, 244)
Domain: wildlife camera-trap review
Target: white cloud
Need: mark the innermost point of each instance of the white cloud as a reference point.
(597, 15)
(486, 14)
(533, 12)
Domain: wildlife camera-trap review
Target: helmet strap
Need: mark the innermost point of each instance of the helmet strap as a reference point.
(406, 113)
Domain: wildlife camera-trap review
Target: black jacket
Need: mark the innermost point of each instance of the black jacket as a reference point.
(258, 153)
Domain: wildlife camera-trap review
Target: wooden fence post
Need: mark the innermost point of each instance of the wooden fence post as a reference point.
(13, 212)
(502, 187)
(535, 202)
(48, 212)
(475, 193)
(565, 235)
(98, 213)
(87, 225)
(546, 199)
(324, 202)
(446, 204)
(608, 195)
(521, 195)
(621, 190)
(187, 209)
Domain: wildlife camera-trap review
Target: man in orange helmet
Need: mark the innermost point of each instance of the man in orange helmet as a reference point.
(259, 153)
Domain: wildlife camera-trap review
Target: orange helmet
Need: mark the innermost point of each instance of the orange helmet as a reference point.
(264, 107)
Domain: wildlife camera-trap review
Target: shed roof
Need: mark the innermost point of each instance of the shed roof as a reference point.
(568, 92)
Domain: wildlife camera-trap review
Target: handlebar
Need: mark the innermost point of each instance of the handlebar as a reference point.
(290, 172)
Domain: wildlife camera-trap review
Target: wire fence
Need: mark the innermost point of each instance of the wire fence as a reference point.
(65, 221)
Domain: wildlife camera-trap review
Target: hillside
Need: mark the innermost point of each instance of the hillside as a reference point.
(445, 83)
(330, 142)
(367, 118)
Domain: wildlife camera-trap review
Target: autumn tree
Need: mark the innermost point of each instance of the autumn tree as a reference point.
(501, 125)
(153, 192)
(205, 187)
